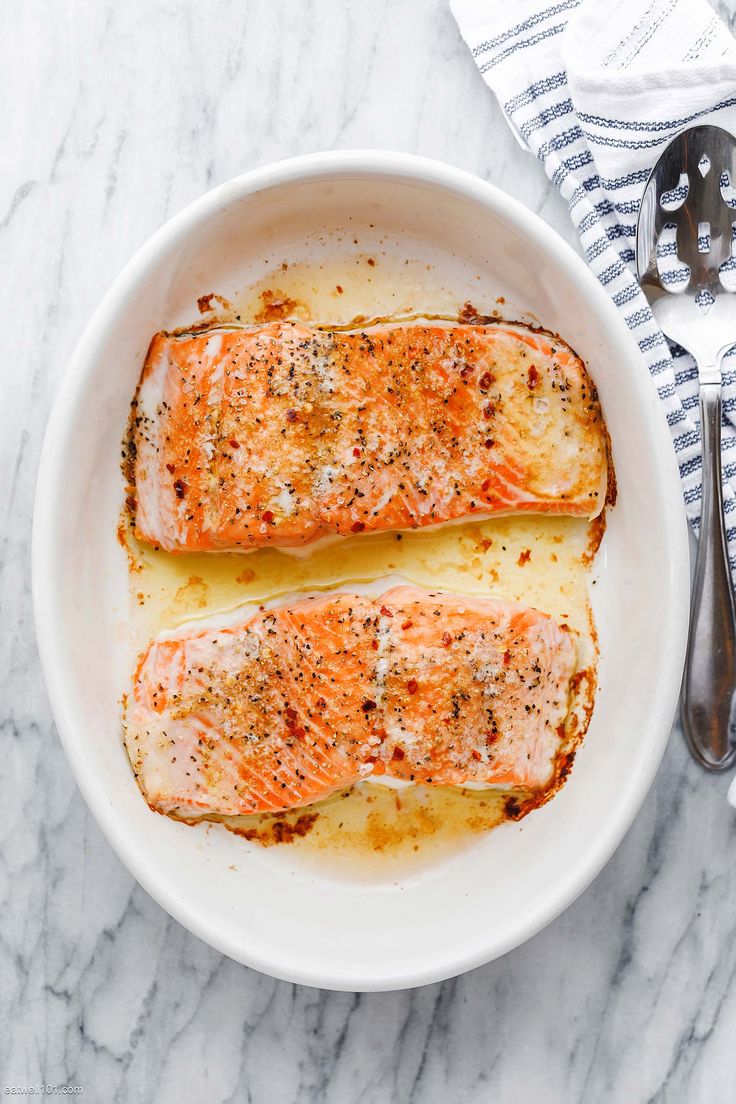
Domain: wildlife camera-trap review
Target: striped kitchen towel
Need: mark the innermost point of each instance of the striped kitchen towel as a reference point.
(595, 88)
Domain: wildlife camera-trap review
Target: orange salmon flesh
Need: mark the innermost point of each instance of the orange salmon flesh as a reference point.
(293, 703)
(281, 434)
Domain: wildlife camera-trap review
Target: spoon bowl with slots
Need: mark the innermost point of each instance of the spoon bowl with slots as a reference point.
(688, 273)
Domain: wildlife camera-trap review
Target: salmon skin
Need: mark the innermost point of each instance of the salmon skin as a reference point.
(280, 434)
(285, 707)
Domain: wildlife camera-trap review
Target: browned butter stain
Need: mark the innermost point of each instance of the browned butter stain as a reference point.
(276, 306)
(281, 829)
(204, 303)
(194, 593)
(596, 529)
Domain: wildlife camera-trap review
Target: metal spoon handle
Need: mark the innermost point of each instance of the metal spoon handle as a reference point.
(708, 714)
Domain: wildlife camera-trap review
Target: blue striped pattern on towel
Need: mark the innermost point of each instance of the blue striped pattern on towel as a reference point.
(523, 63)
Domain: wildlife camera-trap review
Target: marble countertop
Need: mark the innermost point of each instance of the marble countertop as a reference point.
(115, 116)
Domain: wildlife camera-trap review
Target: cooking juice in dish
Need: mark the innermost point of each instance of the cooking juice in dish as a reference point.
(541, 561)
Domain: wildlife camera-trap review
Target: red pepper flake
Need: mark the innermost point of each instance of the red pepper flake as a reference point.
(131, 503)
(300, 733)
(489, 410)
(233, 443)
(321, 703)
(524, 557)
(412, 686)
(485, 381)
(358, 526)
(291, 713)
(371, 262)
(407, 624)
(374, 645)
(386, 612)
(268, 516)
(170, 468)
(446, 640)
(506, 658)
(180, 487)
(489, 442)
(398, 754)
(476, 755)
(291, 415)
(465, 371)
(368, 706)
(485, 484)
(491, 738)
(356, 452)
(533, 376)
(338, 289)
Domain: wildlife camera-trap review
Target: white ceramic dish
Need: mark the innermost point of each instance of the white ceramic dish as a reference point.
(268, 912)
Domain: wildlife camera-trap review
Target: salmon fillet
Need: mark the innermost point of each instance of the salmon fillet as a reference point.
(280, 434)
(283, 708)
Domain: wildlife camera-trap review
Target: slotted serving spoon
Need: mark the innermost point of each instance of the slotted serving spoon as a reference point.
(686, 191)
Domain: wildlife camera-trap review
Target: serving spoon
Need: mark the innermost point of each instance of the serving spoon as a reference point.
(689, 199)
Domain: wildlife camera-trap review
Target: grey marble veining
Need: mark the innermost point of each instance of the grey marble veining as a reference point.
(114, 116)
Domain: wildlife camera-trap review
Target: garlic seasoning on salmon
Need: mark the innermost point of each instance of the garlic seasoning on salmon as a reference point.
(289, 704)
(280, 434)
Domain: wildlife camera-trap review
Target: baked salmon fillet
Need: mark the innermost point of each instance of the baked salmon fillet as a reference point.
(280, 434)
(293, 703)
